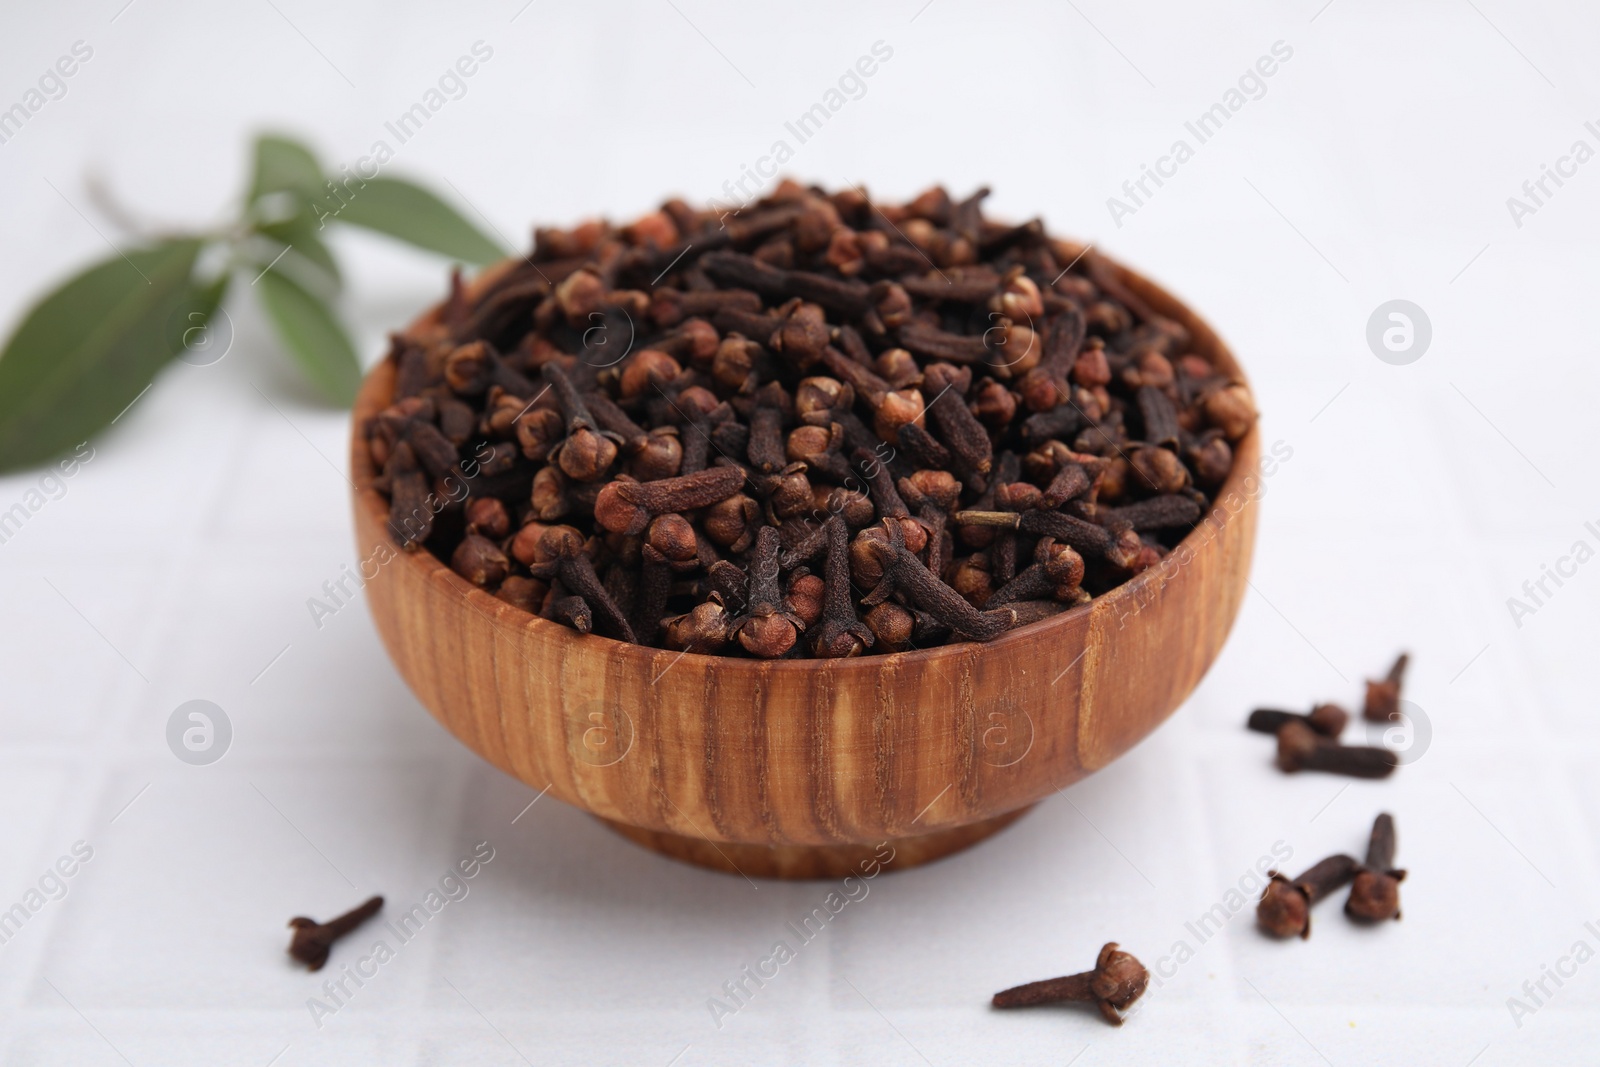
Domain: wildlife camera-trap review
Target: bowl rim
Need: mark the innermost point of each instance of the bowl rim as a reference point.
(430, 568)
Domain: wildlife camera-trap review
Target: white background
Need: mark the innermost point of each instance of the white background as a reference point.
(1418, 499)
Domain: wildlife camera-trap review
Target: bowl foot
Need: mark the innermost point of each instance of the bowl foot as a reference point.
(816, 861)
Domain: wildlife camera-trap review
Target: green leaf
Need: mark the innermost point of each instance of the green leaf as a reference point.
(411, 213)
(189, 332)
(87, 350)
(313, 336)
(283, 166)
(300, 233)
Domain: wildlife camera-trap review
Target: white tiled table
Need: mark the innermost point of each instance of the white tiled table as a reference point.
(1418, 499)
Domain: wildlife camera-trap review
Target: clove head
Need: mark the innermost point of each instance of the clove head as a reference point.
(805, 598)
(1375, 896)
(658, 455)
(891, 626)
(616, 512)
(480, 561)
(898, 408)
(767, 636)
(1297, 746)
(586, 456)
(1119, 979)
(488, 515)
(841, 640)
(1329, 720)
(1231, 410)
(1383, 701)
(525, 593)
(1284, 910)
(817, 398)
(705, 629)
(648, 369)
(672, 537)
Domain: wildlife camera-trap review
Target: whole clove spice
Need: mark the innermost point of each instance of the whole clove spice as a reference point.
(1300, 748)
(1383, 696)
(1329, 720)
(904, 573)
(830, 433)
(1375, 891)
(1285, 907)
(840, 633)
(627, 507)
(769, 627)
(313, 940)
(1118, 979)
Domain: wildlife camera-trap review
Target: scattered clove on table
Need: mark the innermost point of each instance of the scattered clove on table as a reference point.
(1285, 907)
(1383, 696)
(313, 940)
(1375, 892)
(1329, 720)
(1300, 748)
(1118, 979)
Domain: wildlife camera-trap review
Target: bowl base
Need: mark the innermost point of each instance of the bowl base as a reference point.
(815, 861)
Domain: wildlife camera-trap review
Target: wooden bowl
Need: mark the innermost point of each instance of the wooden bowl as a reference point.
(811, 768)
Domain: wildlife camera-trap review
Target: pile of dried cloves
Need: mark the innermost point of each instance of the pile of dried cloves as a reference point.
(818, 426)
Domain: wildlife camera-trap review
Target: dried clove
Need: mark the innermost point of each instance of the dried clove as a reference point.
(943, 388)
(1383, 697)
(480, 561)
(1086, 537)
(1285, 907)
(1329, 720)
(1118, 979)
(1160, 416)
(840, 633)
(559, 552)
(586, 454)
(903, 572)
(1375, 891)
(313, 940)
(880, 484)
(628, 507)
(1300, 748)
(705, 629)
(767, 628)
(1165, 512)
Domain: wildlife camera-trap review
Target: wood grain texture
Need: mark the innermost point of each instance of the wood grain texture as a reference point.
(795, 767)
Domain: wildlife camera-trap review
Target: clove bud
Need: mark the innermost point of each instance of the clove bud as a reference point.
(1375, 892)
(1300, 748)
(1118, 979)
(1383, 697)
(1285, 907)
(1329, 720)
(313, 940)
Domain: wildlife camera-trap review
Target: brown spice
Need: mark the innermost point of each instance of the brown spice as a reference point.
(1118, 979)
(1383, 697)
(1375, 891)
(313, 940)
(1285, 907)
(1300, 748)
(1329, 720)
(812, 366)
(840, 633)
